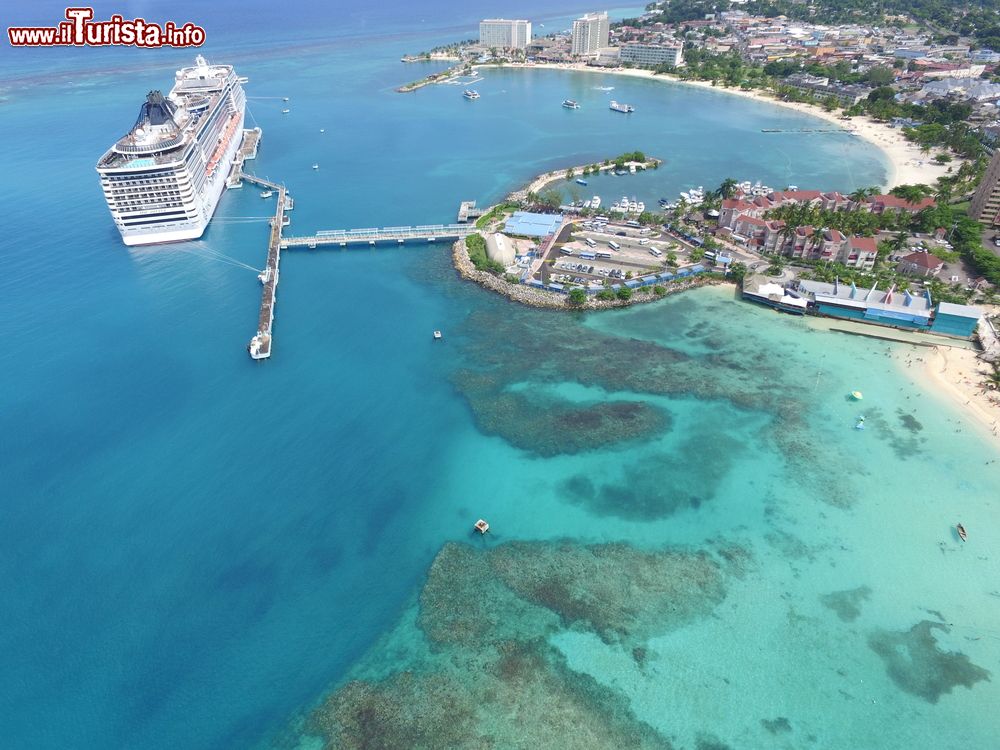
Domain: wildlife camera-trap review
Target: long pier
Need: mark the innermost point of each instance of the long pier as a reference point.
(260, 344)
(398, 235)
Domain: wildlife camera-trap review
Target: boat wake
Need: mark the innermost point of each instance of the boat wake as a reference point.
(604, 88)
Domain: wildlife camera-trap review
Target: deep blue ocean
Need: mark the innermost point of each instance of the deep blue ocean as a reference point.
(195, 548)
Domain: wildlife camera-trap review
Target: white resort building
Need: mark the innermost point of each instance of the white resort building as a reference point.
(504, 34)
(590, 34)
(653, 54)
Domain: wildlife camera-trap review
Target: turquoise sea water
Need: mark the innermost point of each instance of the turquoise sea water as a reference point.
(197, 551)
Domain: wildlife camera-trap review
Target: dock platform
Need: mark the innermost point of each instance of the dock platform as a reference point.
(467, 211)
(247, 152)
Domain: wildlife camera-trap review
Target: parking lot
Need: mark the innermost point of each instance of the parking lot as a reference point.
(613, 251)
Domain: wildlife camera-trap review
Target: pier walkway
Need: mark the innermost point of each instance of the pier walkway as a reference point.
(399, 235)
(260, 344)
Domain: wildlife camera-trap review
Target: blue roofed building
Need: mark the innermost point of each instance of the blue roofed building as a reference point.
(891, 308)
(527, 224)
(956, 320)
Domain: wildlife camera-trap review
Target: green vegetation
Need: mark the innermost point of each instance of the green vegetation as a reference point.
(965, 235)
(476, 246)
(659, 291)
(624, 294)
(494, 213)
(605, 295)
(737, 272)
(849, 222)
(577, 297)
(628, 156)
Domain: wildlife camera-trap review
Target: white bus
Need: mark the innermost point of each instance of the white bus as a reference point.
(603, 256)
(633, 223)
(614, 245)
(655, 253)
(566, 250)
(590, 242)
(643, 241)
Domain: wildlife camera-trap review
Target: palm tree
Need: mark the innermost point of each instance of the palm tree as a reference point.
(727, 188)
(861, 193)
(912, 193)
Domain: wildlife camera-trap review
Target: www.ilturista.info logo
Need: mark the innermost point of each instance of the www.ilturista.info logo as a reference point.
(80, 30)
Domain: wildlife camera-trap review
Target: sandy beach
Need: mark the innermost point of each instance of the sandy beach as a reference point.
(959, 376)
(907, 164)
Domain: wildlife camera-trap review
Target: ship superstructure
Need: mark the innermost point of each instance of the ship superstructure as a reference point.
(163, 179)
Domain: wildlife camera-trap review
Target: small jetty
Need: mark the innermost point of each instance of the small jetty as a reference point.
(467, 212)
(247, 152)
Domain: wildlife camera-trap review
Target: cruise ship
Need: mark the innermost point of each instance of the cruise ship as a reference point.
(163, 179)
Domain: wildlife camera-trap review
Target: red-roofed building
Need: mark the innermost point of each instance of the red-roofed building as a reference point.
(920, 264)
(880, 204)
(862, 252)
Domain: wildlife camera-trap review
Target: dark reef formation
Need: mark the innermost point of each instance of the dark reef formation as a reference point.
(491, 679)
(847, 604)
(916, 664)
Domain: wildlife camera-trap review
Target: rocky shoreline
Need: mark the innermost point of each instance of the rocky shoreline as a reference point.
(545, 299)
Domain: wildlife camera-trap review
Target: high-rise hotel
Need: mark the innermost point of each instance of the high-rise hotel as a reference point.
(504, 34)
(590, 34)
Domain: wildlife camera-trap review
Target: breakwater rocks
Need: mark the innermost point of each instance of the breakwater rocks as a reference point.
(543, 298)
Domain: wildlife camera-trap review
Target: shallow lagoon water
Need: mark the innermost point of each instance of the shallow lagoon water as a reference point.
(196, 550)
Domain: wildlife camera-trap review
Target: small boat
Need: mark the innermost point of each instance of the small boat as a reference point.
(861, 424)
(266, 193)
(437, 334)
(961, 532)
(470, 94)
(595, 201)
(481, 526)
(284, 99)
(623, 108)
(285, 111)
(570, 104)
(857, 395)
(322, 130)
(581, 181)
(315, 166)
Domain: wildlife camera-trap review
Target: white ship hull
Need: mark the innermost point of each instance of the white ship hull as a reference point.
(164, 179)
(190, 230)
